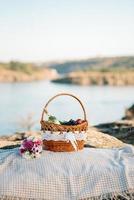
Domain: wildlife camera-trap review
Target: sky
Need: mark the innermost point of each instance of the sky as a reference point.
(50, 30)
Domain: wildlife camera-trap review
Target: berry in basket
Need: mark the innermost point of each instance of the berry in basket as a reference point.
(72, 122)
(63, 136)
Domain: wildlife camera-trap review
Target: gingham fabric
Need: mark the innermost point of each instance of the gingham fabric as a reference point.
(87, 174)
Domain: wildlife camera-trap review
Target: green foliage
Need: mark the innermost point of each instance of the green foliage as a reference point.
(108, 69)
(27, 68)
(3, 65)
(97, 64)
(23, 67)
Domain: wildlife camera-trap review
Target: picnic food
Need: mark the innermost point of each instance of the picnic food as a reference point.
(63, 135)
(72, 122)
(53, 119)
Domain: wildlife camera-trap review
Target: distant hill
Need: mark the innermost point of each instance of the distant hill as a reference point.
(106, 63)
(24, 72)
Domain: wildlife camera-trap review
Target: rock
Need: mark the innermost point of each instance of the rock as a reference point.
(98, 139)
(129, 113)
(95, 139)
(7, 75)
(9, 145)
(15, 139)
(23, 135)
(123, 130)
(97, 78)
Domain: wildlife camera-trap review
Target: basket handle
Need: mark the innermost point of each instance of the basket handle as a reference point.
(63, 94)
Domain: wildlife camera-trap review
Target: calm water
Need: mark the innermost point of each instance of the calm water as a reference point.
(102, 103)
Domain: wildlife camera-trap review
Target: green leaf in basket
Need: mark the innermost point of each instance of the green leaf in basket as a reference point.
(53, 119)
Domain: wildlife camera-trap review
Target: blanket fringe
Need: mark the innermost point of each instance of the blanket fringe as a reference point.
(126, 195)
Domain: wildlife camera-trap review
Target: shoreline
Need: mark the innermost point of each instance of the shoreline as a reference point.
(122, 78)
(11, 76)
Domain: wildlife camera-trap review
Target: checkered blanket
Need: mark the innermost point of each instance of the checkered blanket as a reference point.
(87, 174)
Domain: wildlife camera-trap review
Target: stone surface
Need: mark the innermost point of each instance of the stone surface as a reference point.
(95, 139)
(98, 78)
(7, 75)
(122, 130)
(108, 135)
(129, 113)
(15, 139)
(98, 139)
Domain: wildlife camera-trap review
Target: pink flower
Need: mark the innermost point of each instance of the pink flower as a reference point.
(22, 150)
(39, 142)
(31, 148)
(28, 144)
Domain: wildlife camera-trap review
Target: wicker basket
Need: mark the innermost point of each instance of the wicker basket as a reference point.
(63, 146)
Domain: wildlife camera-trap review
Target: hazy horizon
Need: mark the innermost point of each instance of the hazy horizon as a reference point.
(64, 60)
(57, 30)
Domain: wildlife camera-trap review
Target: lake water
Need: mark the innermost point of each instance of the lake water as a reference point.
(102, 103)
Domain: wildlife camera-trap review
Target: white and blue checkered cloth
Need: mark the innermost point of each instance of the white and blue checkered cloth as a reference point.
(87, 174)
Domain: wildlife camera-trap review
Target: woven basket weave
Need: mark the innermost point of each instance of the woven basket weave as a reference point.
(62, 146)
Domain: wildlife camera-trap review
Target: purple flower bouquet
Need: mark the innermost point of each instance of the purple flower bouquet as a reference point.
(31, 148)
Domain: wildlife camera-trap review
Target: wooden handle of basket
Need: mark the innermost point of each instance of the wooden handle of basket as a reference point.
(63, 94)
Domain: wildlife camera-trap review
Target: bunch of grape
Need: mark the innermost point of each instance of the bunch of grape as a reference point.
(72, 122)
